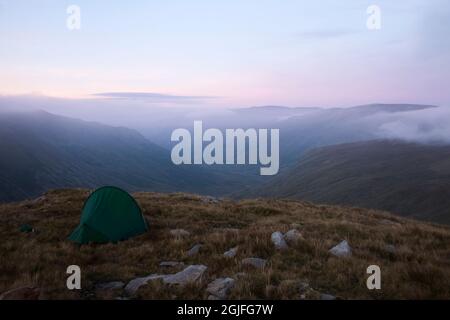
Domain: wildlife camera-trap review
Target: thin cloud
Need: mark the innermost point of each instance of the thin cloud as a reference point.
(153, 97)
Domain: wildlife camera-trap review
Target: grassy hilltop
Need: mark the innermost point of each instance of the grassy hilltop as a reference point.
(417, 265)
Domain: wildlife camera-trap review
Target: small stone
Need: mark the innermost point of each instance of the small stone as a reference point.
(231, 253)
(292, 236)
(22, 293)
(278, 240)
(211, 297)
(190, 274)
(110, 285)
(171, 264)
(325, 296)
(341, 250)
(220, 287)
(254, 262)
(194, 250)
(179, 233)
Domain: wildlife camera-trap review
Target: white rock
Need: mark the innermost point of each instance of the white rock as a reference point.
(194, 250)
(254, 262)
(278, 240)
(220, 287)
(325, 296)
(341, 250)
(231, 253)
(190, 274)
(292, 236)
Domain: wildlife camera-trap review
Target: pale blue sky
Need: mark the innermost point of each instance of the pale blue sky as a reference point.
(242, 52)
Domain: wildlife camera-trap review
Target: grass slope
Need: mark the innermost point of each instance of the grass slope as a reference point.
(409, 179)
(419, 269)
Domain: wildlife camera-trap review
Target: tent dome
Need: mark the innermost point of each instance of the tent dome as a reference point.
(109, 214)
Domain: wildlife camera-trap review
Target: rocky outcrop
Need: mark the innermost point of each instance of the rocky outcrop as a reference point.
(135, 284)
(278, 241)
(231, 253)
(343, 249)
(194, 250)
(190, 274)
(254, 262)
(292, 236)
(220, 287)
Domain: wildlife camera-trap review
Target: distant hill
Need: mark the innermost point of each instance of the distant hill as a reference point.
(409, 179)
(390, 108)
(325, 127)
(41, 151)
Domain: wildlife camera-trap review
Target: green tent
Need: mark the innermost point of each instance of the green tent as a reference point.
(109, 215)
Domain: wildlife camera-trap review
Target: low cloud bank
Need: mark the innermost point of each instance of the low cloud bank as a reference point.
(424, 126)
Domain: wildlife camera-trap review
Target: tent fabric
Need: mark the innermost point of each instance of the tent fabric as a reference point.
(109, 214)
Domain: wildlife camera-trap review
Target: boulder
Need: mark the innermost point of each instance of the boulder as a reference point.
(341, 250)
(231, 253)
(22, 293)
(135, 284)
(190, 274)
(292, 236)
(326, 296)
(194, 250)
(220, 287)
(254, 262)
(278, 240)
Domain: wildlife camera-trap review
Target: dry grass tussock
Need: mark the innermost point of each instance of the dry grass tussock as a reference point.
(418, 269)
